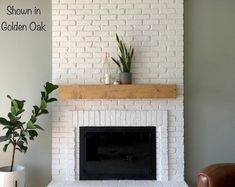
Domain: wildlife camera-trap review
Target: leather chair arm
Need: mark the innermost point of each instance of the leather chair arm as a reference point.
(217, 175)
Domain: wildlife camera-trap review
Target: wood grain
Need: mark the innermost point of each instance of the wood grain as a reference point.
(130, 91)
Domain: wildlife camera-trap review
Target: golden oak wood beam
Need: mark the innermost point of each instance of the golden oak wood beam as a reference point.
(130, 91)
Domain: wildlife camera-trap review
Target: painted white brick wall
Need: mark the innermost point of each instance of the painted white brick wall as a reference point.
(83, 30)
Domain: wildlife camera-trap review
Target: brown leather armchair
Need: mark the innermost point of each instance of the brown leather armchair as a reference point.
(217, 175)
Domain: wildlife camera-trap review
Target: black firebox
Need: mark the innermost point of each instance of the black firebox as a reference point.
(117, 153)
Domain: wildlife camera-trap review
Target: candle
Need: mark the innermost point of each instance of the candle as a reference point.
(106, 79)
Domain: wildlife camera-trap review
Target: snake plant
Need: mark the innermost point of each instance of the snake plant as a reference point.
(125, 57)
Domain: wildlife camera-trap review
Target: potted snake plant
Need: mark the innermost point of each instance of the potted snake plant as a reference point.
(124, 61)
(19, 132)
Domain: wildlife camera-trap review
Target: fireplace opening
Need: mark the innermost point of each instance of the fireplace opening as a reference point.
(117, 153)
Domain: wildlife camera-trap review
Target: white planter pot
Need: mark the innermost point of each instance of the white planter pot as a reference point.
(16, 178)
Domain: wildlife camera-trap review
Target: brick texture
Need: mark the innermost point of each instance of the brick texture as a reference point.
(83, 31)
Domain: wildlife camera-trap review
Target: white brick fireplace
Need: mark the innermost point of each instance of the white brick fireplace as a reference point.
(83, 31)
(127, 118)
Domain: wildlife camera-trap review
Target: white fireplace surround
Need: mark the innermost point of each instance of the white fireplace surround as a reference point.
(69, 158)
(114, 118)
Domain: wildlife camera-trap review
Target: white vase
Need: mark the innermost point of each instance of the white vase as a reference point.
(16, 178)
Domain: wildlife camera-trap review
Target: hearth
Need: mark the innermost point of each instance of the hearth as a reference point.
(117, 153)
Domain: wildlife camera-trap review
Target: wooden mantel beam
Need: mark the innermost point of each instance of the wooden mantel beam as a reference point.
(128, 91)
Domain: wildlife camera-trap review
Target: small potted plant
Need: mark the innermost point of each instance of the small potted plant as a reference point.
(18, 133)
(124, 61)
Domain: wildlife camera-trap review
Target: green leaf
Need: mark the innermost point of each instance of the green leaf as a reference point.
(21, 147)
(43, 104)
(32, 134)
(16, 134)
(5, 147)
(24, 133)
(7, 127)
(8, 96)
(131, 52)
(3, 121)
(38, 127)
(3, 138)
(118, 64)
(33, 119)
(43, 111)
(49, 87)
(20, 112)
(20, 104)
(18, 124)
(13, 118)
(117, 38)
(18, 149)
(20, 143)
(36, 110)
(125, 50)
(9, 133)
(44, 95)
(51, 100)
(25, 139)
(30, 125)
(14, 107)
(123, 63)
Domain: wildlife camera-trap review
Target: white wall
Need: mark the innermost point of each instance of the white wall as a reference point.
(25, 65)
(209, 78)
